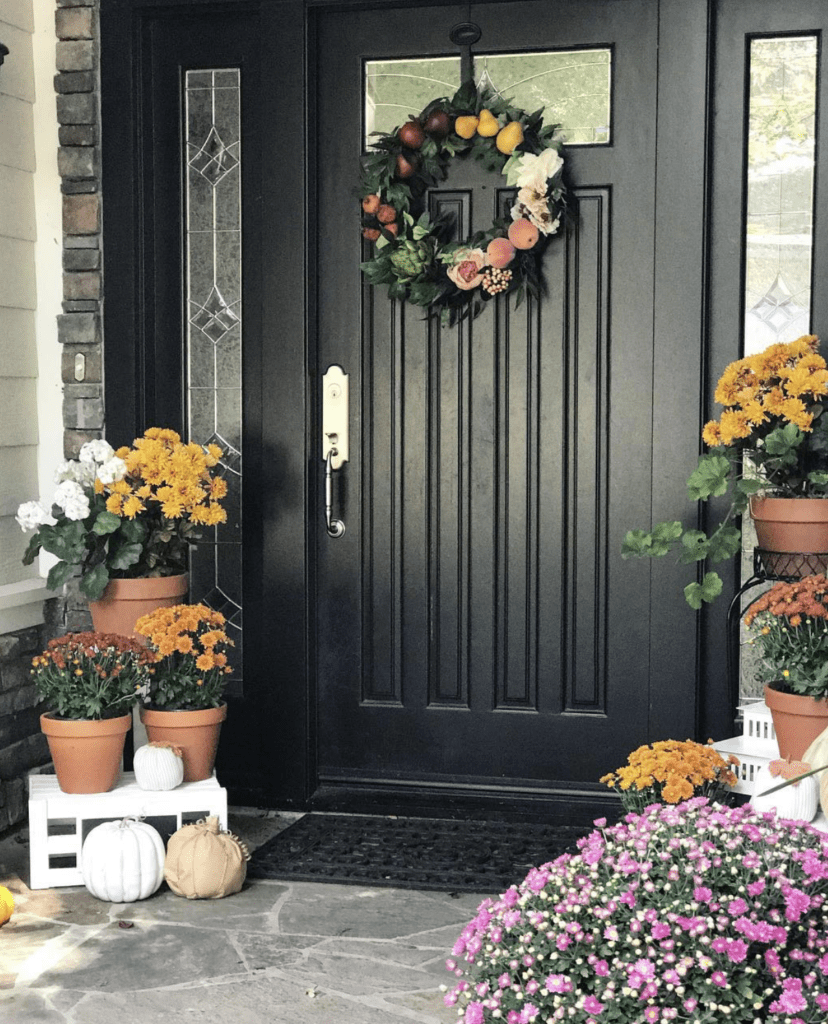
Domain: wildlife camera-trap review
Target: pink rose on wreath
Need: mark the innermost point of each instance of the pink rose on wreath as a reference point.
(466, 271)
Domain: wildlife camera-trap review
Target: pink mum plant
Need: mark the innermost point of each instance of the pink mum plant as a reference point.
(694, 912)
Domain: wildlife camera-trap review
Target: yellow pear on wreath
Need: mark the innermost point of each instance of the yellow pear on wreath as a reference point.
(509, 137)
(488, 125)
(466, 126)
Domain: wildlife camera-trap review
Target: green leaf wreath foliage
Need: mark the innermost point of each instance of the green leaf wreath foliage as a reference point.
(413, 253)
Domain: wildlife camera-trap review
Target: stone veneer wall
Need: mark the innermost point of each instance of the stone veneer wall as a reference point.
(22, 745)
(77, 85)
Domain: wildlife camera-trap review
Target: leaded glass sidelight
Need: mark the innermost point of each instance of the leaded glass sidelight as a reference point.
(780, 189)
(573, 87)
(213, 281)
(781, 151)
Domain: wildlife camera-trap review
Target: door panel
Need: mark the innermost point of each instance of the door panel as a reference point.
(475, 625)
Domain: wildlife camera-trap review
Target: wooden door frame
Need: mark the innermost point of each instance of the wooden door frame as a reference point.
(270, 747)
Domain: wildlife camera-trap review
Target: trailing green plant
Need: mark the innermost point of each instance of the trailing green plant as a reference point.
(772, 438)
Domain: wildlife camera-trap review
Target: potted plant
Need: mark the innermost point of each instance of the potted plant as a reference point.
(90, 681)
(670, 772)
(129, 515)
(184, 704)
(694, 912)
(789, 625)
(773, 419)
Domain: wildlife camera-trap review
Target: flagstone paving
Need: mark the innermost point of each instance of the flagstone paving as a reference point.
(275, 953)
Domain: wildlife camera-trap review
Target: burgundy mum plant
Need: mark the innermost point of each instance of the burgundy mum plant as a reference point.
(694, 912)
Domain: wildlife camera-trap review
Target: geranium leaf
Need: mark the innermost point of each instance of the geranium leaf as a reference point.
(58, 575)
(710, 478)
(106, 522)
(708, 590)
(93, 583)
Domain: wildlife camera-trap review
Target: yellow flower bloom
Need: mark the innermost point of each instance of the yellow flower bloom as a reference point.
(132, 506)
(113, 504)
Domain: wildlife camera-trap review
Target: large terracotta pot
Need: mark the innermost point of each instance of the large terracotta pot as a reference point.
(797, 525)
(86, 753)
(125, 601)
(195, 732)
(797, 720)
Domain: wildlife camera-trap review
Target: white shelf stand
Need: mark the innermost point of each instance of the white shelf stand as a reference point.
(59, 822)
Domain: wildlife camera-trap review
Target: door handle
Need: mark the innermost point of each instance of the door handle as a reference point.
(334, 437)
(335, 527)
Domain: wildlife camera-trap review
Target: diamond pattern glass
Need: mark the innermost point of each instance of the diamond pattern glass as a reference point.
(214, 326)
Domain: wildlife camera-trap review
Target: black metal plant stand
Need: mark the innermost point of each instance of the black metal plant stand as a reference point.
(768, 566)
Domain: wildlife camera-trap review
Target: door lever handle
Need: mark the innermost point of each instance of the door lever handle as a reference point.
(335, 527)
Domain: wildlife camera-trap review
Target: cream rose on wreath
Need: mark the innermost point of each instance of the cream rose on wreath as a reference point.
(535, 171)
(467, 270)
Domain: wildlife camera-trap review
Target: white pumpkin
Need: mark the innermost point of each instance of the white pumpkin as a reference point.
(123, 861)
(158, 766)
(817, 755)
(797, 802)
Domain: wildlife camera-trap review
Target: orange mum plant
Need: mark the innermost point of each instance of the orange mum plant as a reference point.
(789, 624)
(92, 675)
(774, 404)
(670, 772)
(190, 647)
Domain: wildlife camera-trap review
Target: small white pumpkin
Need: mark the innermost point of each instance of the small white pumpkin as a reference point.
(797, 802)
(817, 755)
(158, 766)
(123, 861)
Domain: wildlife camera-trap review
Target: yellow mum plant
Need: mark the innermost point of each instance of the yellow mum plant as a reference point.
(127, 514)
(774, 404)
(190, 648)
(670, 772)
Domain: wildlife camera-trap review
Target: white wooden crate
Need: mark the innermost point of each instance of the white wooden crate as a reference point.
(750, 759)
(757, 727)
(59, 822)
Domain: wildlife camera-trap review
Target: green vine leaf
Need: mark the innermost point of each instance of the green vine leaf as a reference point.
(697, 594)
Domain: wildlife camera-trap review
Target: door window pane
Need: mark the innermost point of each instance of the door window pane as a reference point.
(214, 324)
(573, 87)
(395, 89)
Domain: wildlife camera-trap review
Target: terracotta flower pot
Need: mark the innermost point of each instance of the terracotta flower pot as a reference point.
(797, 525)
(125, 601)
(195, 732)
(86, 753)
(797, 720)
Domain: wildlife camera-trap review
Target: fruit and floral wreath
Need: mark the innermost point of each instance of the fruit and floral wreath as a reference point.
(417, 257)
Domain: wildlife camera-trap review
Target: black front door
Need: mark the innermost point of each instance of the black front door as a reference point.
(476, 631)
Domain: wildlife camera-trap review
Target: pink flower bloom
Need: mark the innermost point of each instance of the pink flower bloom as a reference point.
(791, 1000)
(474, 1014)
(737, 907)
(690, 1004)
(702, 894)
(558, 983)
(737, 950)
(719, 979)
(591, 1005)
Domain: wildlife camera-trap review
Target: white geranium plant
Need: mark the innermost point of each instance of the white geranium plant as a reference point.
(77, 527)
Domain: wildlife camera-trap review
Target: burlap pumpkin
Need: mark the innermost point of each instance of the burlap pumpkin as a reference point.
(205, 862)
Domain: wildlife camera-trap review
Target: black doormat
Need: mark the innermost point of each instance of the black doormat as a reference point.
(411, 853)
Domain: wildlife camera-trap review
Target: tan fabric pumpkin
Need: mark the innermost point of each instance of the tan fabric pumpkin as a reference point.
(817, 755)
(205, 862)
